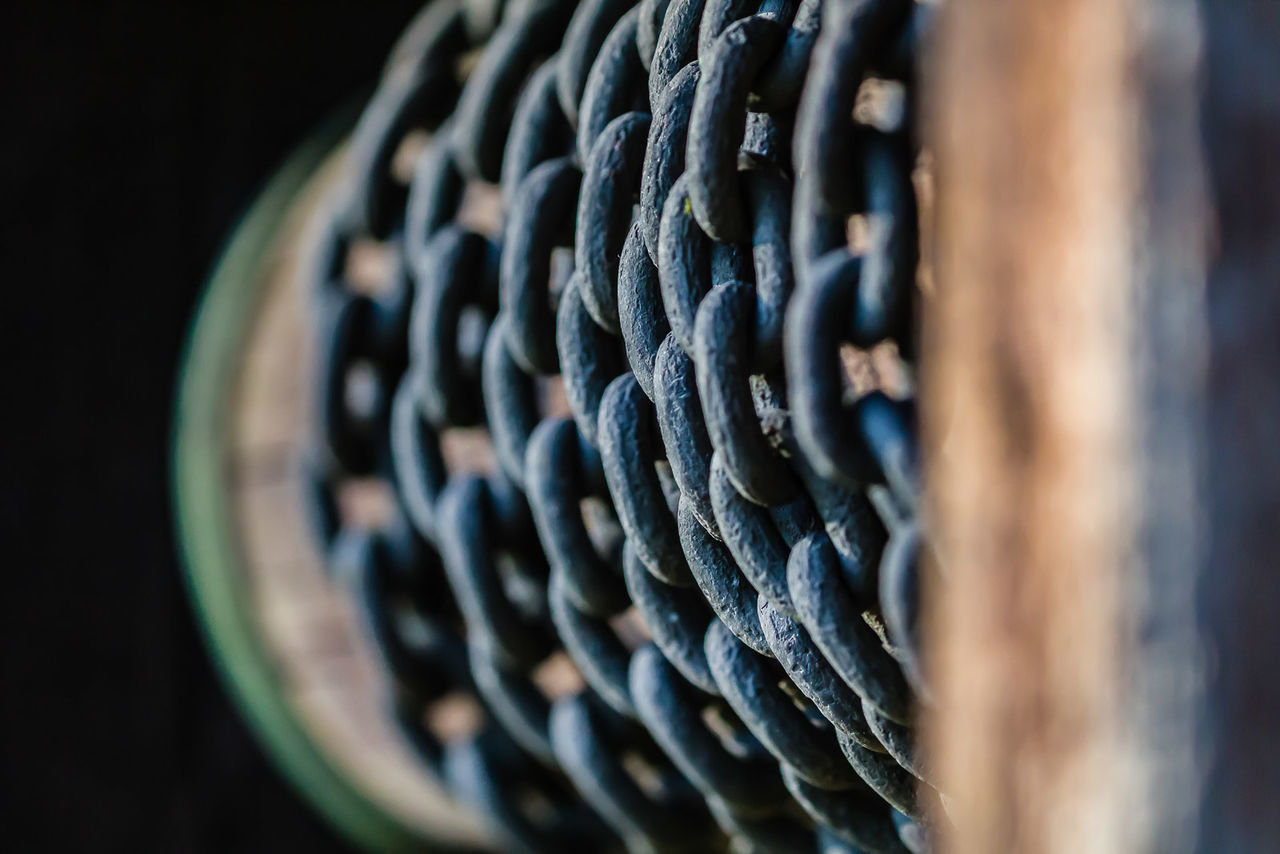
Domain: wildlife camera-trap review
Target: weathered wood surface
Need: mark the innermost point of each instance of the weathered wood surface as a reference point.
(1100, 391)
(1030, 396)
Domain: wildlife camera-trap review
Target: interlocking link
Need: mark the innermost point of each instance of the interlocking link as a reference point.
(677, 571)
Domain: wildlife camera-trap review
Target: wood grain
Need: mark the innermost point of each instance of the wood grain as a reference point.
(1029, 387)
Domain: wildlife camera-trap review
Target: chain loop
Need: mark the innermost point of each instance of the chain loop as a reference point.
(691, 484)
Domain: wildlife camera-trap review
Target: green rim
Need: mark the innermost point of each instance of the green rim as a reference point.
(212, 552)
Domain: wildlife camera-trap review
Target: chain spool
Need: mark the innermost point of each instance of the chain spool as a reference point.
(663, 257)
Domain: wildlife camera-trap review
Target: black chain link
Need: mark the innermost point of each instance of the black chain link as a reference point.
(688, 496)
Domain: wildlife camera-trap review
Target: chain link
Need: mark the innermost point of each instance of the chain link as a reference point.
(689, 498)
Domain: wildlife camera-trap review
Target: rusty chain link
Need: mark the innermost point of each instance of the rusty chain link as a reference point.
(707, 237)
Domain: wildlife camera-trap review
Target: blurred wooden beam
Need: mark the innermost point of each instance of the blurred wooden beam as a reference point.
(1103, 385)
(1062, 387)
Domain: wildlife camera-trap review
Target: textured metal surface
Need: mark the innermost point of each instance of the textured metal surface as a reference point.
(707, 217)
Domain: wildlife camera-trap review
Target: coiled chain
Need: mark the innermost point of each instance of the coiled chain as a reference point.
(633, 385)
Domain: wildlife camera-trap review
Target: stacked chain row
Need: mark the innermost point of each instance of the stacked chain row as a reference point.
(689, 497)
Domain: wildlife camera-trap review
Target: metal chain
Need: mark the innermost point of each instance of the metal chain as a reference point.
(689, 497)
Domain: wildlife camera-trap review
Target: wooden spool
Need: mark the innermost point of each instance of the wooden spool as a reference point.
(286, 637)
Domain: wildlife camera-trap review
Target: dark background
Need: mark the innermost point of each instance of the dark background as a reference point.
(133, 134)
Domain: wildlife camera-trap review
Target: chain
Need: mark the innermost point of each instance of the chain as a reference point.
(671, 340)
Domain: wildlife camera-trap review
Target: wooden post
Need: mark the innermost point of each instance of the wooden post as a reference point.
(1102, 380)
(1058, 126)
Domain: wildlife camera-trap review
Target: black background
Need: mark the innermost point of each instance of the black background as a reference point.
(132, 136)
